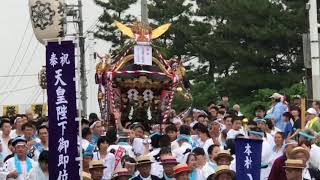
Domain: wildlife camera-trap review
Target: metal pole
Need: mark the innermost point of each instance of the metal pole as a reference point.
(144, 11)
(314, 44)
(83, 76)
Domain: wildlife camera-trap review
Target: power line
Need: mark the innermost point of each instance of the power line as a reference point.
(17, 90)
(25, 69)
(18, 75)
(19, 48)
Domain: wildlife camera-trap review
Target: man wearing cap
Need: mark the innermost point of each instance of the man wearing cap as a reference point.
(278, 171)
(20, 165)
(277, 110)
(312, 120)
(96, 169)
(223, 158)
(121, 174)
(304, 155)
(224, 173)
(181, 172)
(168, 162)
(294, 168)
(144, 168)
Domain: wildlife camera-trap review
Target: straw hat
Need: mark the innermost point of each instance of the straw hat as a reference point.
(223, 153)
(294, 164)
(122, 172)
(168, 160)
(96, 164)
(180, 168)
(143, 160)
(224, 169)
(86, 176)
(276, 96)
(298, 150)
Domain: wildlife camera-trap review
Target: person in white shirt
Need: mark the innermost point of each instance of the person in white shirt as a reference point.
(19, 167)
(278, 148)
(184, 147)
(5, 136)
(204, 138)
(41, 170)
(107, 157)
(17, 131)
(172, 132)
(236, 128)
(266, 154)
(211, 166)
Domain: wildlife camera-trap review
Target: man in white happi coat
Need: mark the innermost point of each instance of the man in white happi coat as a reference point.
(19, 166)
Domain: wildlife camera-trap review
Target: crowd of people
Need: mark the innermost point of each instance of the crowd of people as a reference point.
(24, 146)
(201, 145)
(197, 146)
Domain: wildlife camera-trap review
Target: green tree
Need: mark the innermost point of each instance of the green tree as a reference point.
(251, 44)
(113, 10)
(177, 12)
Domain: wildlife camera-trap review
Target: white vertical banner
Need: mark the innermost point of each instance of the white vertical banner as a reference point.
(143, 55)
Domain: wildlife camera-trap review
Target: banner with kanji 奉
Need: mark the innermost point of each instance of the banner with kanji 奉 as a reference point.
(248, 158)
(63, 128)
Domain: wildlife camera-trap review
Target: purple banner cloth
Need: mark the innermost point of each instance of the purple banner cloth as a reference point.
(63, 129)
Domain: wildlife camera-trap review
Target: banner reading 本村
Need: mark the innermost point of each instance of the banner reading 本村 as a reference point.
(63, 129)
(248, 158)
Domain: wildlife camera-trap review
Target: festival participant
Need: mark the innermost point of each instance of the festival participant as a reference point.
(295, 112)
(43, 133)
(41, 170)
(192, 164)
(213, 112)
(262, 124)
(236, 108)
(224, 173)
(181, 172)
(215, 133)
(17, 131)
(312, 120)
(236, 128)
(223, 158)
(168, 163)
(87, 158)
(96, 169)
(184, 148)
(260, 111)
(304, 155)
(288, 119)
(29, 134)
(294, 169)
(316, 106)
(256, 133)
(85, 140)
(121, 174)
(278, 147)
(172, 132)
(19, 167)
(200, 156)
(227, 122)
(5, 137)
(129, 163)
(144, 168)
(97, 131)
(277, 171)
(11, 148)
(278, 108)
(204, 138)
(211, 165)
(107, 157)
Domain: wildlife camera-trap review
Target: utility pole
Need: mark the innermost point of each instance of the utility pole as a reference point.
(144, 11)
(83, 77)
(314, 46)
